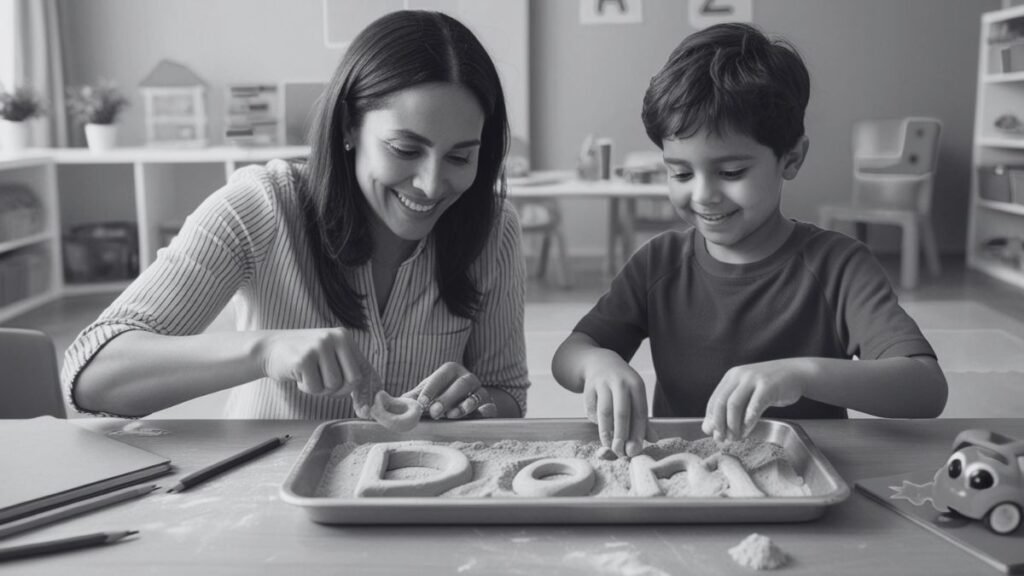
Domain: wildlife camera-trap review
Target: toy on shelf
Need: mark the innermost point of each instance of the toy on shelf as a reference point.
(175, 106)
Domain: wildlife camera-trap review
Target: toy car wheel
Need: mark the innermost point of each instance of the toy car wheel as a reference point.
(1004, 518)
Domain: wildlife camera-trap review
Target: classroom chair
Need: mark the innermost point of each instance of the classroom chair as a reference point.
(29, 380)
(543, 217)
(894, 164)
(538, 216)
(649, 214)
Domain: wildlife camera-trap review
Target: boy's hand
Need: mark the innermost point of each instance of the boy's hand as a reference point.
(616, 401)
(745, 392)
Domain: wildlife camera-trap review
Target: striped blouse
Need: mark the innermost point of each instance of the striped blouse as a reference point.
(246, 245)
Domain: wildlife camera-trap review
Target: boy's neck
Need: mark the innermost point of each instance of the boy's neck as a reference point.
(760, 244)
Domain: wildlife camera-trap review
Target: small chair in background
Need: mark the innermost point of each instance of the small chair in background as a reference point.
(649, 215)
(894, 164)
(539, 216)
(29, 379)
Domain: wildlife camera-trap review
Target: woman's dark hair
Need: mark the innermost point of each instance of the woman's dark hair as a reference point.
(398, 51)
(730, 77)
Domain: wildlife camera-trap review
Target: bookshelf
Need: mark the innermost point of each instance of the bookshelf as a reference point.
(145, 185)
(1000, 92)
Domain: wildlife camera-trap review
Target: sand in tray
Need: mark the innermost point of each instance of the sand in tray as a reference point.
(495, 464)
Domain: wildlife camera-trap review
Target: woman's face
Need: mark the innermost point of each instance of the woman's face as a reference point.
(417, 155)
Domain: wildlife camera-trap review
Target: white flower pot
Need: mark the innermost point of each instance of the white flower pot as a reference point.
(101, 137)
(14, 136)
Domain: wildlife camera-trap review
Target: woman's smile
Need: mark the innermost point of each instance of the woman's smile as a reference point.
(418, 207)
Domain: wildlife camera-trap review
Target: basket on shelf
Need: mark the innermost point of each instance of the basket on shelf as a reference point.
(101, 252)
(23, 273)
(21, 213)
(1001, 183)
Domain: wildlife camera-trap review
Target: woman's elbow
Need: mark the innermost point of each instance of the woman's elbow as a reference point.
(95, 395)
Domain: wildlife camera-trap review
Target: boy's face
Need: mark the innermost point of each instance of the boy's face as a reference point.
(729, 187)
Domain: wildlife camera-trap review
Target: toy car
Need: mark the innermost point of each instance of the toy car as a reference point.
(983, 480)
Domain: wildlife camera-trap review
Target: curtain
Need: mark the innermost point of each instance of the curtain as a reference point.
(38, 63)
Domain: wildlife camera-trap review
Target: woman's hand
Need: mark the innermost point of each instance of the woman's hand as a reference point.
(321, 362)
(453, 392)
(745, 392)
(616, 400)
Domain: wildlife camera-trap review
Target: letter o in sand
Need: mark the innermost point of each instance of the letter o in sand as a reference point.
(576, 478)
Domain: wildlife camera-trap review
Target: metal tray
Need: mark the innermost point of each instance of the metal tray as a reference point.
(300, 487)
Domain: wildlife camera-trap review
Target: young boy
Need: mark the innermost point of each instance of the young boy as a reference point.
(748, 312)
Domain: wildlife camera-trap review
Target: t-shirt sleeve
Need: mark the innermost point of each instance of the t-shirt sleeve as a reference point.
(496, 350)
(216, 251)
(619, 320)
(870, 318)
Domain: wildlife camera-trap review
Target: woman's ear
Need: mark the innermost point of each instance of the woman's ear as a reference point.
(794, 159)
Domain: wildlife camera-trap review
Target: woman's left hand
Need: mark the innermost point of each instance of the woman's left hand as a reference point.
(453, 392)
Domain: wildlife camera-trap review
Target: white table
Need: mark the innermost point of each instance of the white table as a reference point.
(560, 184)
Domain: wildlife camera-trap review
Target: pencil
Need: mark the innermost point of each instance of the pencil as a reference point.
(227, 464)
(75, 509)
(75, 542)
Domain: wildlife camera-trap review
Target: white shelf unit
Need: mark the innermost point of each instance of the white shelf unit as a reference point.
(998, 93)
(37, 172)
(148, 186)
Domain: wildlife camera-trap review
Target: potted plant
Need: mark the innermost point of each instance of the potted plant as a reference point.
(97, 107)
(16, 109)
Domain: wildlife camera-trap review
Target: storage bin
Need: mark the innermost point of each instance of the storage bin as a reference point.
(101, 252)
(1001, 183)
(21, 213)
(1012, 58)
(22, 274)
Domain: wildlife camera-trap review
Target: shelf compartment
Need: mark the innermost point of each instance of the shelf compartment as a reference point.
(12, 245)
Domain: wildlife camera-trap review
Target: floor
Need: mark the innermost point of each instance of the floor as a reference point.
(975, 323)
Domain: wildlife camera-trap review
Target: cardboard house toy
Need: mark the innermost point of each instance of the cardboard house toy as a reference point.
(175, 106)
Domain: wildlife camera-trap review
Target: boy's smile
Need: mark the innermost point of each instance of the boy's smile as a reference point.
(729, 187)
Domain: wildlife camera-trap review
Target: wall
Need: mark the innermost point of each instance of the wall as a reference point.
(870, 58)
(237, 41)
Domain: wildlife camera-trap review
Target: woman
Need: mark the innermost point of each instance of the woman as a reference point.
(389, 259)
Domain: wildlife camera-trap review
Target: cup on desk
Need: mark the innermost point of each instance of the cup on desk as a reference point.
(604, 158)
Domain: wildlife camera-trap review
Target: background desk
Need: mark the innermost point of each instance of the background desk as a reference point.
(561, 184)
(236, 524)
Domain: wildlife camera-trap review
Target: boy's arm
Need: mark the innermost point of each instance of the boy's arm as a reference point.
(614, 394)
(899, 387)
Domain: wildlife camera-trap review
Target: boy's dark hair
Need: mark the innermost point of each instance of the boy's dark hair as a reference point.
(730, 77)
(398, 51)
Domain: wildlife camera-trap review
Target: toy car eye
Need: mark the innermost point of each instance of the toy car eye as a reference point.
(955, 465)
(981, 480)
(980, 477)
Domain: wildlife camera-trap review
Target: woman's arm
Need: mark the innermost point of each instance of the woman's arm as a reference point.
(138, 372)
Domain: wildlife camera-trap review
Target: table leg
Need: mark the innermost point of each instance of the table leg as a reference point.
(627, 229)
(611, 263)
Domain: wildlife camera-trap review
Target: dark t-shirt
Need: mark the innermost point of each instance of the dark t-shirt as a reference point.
(822, 294)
